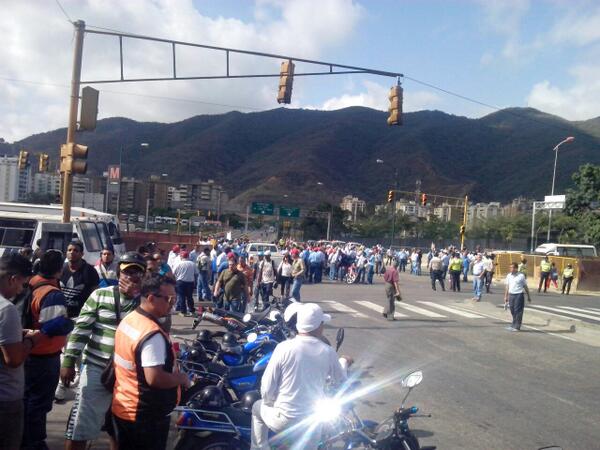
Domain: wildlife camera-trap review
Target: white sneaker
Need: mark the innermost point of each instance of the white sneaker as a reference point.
(75, 381)
(59, 394)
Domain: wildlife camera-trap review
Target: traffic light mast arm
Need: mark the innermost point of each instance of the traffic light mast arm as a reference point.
(345, 68)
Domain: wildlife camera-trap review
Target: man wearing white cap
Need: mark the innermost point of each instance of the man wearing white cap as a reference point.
(294, 380)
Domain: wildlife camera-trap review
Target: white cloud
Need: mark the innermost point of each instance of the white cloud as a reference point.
(576, 28)
(579, 101)
(37, 46)
(376, 96)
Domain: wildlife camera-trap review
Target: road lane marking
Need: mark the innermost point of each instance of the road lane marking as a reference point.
(418, 310)
(453, 311)
(586, 316)
(581, 310)
(345, 309)
(554, 314)
(595, 309)
(376, 307)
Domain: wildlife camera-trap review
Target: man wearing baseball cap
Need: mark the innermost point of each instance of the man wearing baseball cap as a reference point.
(294, 380)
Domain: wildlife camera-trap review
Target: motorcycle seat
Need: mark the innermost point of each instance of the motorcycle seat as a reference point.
(245, 370)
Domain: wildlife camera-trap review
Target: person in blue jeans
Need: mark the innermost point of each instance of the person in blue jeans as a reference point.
(466, 266)
(478, 276)
(298, 269)
(204, 268)
(370, 268)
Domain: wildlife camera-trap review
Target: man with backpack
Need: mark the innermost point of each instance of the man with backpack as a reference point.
(92, 340)
(45, 311)
(266, 278)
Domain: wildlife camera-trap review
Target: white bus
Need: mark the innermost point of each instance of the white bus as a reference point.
(573, 250)
(27, 224)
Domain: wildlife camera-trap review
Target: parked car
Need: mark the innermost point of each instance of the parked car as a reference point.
(254, 247)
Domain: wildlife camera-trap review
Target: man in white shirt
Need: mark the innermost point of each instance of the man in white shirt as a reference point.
(266, 278)
(294, 380)
(478, 277)
(516, 286)
(185, 273)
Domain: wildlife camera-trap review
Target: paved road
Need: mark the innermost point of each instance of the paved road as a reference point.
(486, 388)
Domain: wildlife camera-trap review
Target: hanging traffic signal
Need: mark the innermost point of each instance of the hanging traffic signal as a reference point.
(286, 79)
(395, 108)
(390, 196)
(423, 199)
(23, 159)
(43, 163)
(462, 230)
(73, 158)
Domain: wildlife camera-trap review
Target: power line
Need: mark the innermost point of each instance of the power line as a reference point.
(63, 10)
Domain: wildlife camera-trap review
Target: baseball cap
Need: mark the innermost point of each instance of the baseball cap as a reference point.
(309, 317)
(230, 255)
(184, 254)
(267, 253)
(176, 249)
(295, 251)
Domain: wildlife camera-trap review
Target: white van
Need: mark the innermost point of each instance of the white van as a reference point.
(27, 224)
(572, 250)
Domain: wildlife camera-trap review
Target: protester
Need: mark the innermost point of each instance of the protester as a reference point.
(284, 272)
(266, 278)
(392, 290)
(298, 269)
(92, 341)
(436, 271)
(42, 368)
(184, 271)
(516, 287)
(294, 380)
(147, 383)
(234, 284)
(15, 346)
(478, 272)
(107, 268)
(204, 275)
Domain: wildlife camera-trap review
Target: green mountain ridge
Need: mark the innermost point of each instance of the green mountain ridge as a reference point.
(265, 155)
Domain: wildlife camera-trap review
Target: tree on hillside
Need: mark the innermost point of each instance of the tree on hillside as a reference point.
(583, 202)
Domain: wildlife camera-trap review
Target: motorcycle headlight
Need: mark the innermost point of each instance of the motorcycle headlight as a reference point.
(327, 410)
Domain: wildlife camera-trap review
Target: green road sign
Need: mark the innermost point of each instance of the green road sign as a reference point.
(264, 209)
(287, 211)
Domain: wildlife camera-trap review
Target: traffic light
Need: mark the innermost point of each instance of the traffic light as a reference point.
(286, 79)
(423, 199)
(23, 159)
(89, 109)
(44, 162)
(390, 196)
(395, 108)
(462, 230)
(73, 158)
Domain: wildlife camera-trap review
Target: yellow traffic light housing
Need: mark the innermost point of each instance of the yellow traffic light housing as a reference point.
(390, 197)
(462, 230)
(286, 80)
(73, 158)
(423, 199)
(395, 109)
(23, 159)
(43, 162)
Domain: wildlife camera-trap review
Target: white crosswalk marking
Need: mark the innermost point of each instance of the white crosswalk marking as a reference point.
(418, 310)
(345, 309)
(573, 313)
(554, 314)
(458, 312)
(378, 308)
(595, 309)
(588, 310)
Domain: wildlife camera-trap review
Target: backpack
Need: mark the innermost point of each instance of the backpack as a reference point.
(23, 303)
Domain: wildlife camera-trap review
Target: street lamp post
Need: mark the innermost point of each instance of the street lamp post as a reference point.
(564, 141)
(380, 161)
(329, 215)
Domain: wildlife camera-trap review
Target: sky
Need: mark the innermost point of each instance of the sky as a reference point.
(502, 53)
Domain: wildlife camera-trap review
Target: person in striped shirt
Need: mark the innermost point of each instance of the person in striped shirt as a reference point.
(93, 339)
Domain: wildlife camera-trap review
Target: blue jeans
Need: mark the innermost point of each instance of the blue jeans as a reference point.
(41, 379)
(296, 285)
(370, 272)
(477, 285)
(203, 286)
(332, 271)
(185, 301)
(266, 290)
(465, 272)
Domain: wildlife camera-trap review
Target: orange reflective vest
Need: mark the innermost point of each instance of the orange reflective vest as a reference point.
(41, 287)
(133, 398)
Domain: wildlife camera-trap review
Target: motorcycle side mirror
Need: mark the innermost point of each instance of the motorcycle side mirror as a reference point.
(339, 338)
(412, 379)
(273, 315)
(247, 318)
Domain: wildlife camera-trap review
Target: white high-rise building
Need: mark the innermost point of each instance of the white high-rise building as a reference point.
(15, 184)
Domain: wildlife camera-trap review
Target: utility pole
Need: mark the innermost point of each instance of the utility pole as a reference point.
(464, 227)
(329, 224)
(394, 207)
(147, 210)
(67, 181)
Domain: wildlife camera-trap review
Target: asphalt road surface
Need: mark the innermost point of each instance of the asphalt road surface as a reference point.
(486, 388)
